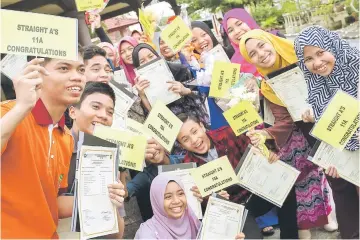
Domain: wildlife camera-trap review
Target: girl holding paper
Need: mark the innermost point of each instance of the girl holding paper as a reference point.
(204, 40)
(270, 53)
(172, 219)
(190, 102)
(329, 63)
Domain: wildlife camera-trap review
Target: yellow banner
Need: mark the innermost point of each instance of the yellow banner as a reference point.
(214, 176)
(176, 34)
(41, 35)
(131, 147)
(224, 76)
(85, 5)
(162, 125)
(145, 22)
(242, 117)
(339, 121)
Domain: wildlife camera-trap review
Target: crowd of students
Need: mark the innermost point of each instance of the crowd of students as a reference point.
(38, 148)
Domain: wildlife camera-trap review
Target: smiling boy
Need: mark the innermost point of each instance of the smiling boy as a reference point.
(36, 146)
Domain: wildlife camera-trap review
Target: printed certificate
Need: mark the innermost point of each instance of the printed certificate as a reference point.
(124, 100)
(346, 162)
(272, 182)
(97, 169)
(290, 87)
(223, 219)
(11, 65)
(158, 73)
(219, 54)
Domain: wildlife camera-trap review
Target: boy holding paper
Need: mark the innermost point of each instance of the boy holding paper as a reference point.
(204, 146)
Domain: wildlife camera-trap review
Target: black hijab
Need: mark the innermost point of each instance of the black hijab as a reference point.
(180, 72)
(197, 24)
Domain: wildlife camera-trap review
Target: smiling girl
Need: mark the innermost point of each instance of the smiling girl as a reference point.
(329, 64)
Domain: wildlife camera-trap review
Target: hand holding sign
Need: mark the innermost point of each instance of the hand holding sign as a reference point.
(155, 153)
(28, 84)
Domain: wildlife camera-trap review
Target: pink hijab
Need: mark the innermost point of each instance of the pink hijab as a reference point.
(160, 224)
(128, 68)
(245, 17)
(112, 48)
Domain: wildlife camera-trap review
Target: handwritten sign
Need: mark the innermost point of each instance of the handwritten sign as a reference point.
(339, 121)
(131, 147)
(85, 5)
(242, 117)
(176, 34)
(214, 176)
(224, 76)
(34, 34)
(162, 125)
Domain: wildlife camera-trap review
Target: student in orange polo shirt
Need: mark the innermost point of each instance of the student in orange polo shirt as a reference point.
(36, 148)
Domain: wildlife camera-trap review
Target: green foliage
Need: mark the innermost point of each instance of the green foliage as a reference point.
(266, 14)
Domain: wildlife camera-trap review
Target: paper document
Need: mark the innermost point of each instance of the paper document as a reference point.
(98, 216)
(219, 53)
(346, 162)
(158, 73)
(272, 182)
(11, 65)
(124, 100)
(222, 220)
(291, 89)
(268, 115)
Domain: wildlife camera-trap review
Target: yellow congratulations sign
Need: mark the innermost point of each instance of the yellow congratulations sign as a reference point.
(85, 5)
(131, 147)
(224, 76)
(339, 121)
(214, 176)
(41, 35)
(162, 125)
(176, 34)
(242, 117)
(146, 24)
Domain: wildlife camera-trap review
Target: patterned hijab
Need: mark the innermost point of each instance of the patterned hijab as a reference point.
(285, 56)
(345, 75)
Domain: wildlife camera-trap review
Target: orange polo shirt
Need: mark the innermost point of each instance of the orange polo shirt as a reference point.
(34, 165)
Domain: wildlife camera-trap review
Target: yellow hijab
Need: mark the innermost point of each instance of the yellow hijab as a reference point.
(285, 56)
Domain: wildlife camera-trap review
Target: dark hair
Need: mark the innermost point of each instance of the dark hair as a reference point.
(219, 19)
(96, 87)
(92, 51)
(184, 117)
(135, 31)
(46, 59)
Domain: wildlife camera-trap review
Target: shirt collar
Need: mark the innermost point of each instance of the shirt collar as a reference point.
(42, 116)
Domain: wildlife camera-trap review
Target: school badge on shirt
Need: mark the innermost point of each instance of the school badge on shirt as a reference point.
(61, 177)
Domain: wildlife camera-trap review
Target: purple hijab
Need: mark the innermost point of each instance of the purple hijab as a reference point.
(128, 68)
(245, 17)
(160, 226)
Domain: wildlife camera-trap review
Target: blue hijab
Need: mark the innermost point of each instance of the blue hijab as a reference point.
(345, 75)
